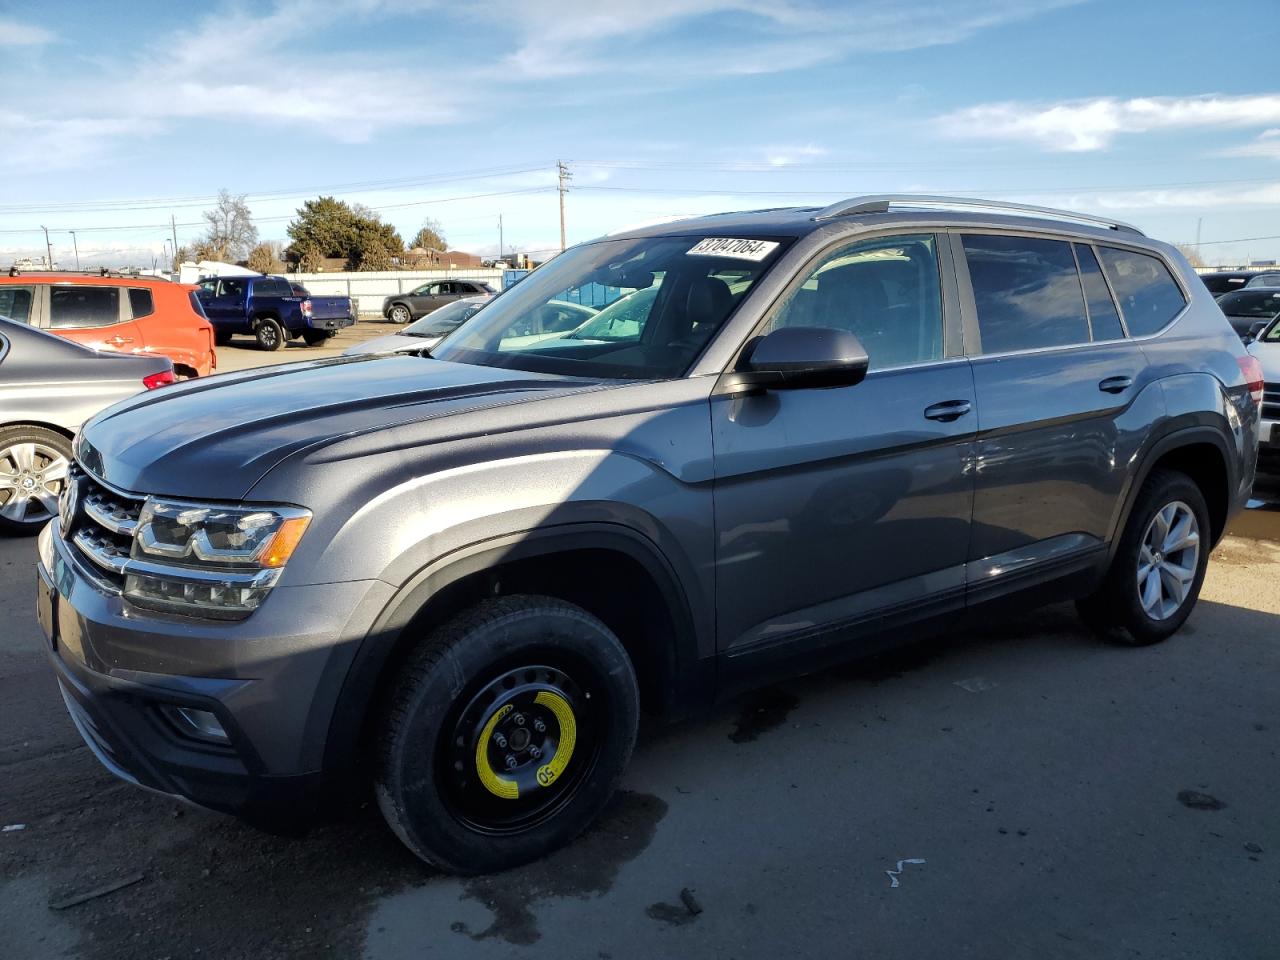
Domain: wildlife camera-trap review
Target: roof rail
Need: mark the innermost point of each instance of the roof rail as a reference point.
(880, 203)
(126, 273)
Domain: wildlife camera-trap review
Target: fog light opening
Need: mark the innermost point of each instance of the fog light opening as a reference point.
(200, 724)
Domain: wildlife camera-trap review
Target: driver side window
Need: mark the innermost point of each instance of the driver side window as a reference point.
(885, 291)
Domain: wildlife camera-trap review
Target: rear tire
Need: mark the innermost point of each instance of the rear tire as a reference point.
(33, 472)
(313, 338)
(506, 734)
(269, 334)
(221, 339)
(1155, 577)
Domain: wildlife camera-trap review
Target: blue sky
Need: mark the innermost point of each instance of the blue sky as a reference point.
(118, 116)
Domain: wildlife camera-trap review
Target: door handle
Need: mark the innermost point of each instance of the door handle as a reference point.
(119, 341)
(1115, 384)
(948, 410)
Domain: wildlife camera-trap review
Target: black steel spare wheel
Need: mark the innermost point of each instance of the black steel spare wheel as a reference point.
(519, 749)
(506, 733)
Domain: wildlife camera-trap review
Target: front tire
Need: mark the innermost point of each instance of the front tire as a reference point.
(399, 313)
(507, 733)
(34, 463)
(269, 334)
(1155, 577)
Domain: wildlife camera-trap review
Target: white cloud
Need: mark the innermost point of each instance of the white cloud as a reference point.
(1245, 197)
(1266, 145)
(15, 34)
(1089, 125)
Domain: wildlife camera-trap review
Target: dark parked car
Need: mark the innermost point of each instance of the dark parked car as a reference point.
(48, 387)
(1245, 309)
(467, 573)
(1264, 280)
(1224, 281)
(431, 296)
(269, 310)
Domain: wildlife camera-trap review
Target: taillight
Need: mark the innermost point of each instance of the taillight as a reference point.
(161, 379)
(1251, 367)
(306, 308)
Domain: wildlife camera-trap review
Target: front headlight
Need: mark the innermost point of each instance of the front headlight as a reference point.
(210, 561)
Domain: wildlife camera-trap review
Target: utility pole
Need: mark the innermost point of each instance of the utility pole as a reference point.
(500, 257)
(173, 224)
(48, 248)
(75, 246)
(562, 170)
(1199, 224)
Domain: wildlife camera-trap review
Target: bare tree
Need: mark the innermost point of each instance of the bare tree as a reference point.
(231, 233)
(1192, 254)
(430, 237)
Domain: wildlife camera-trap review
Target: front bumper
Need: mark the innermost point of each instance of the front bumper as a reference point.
(271, 682)
(1269, 436)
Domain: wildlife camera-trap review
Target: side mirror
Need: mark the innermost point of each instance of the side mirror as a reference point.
(797, 358)
(1255, 331)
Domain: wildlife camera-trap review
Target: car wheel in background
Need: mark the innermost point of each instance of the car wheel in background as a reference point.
(399, 313)
(33, 471)
(269, 334)
(1156, 574)
(505, 734)
(221, 339)
(314, 338)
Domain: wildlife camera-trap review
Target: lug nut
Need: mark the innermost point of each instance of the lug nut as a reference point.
(518, 719)
(539, 725)
(500, 740)
(535, 752)
(511, 762)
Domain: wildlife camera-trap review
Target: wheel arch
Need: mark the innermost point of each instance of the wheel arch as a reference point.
(56, 428)
(1202, 453)
(653, 617)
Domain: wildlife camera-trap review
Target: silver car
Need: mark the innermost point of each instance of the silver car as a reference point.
(425, 333)
(48, 387)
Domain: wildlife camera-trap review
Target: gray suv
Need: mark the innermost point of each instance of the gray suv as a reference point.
(461, 574)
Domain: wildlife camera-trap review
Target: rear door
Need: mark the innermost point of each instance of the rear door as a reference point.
(18, 303)
(1064, 397)
(223, 299)
(95, 316)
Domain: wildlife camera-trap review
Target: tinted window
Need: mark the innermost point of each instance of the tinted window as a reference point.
(1218, 283)
(1260, 304)
(141, 303)
(1264, 280)
(883, 291)
(83, 306)
(231, 288)
(271, 287)
(1027, 292)
(15, 303)
(1103, 318)
(1148, 296)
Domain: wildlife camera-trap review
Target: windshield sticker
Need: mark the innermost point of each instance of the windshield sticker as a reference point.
(755, 250)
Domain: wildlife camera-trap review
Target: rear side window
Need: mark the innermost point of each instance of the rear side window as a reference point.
(1027, 293)
(77, 306)
(141, 303)
(1103, 318)
(15, 303)
(1148, 295)
(272, 287)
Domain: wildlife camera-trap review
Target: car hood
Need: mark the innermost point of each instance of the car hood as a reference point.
(391, 343)
(215, 438)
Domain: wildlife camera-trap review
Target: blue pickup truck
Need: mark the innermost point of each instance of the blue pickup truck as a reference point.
(271, 310)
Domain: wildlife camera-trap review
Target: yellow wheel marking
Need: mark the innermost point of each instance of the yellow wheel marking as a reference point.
(498, 786)
(557, 704)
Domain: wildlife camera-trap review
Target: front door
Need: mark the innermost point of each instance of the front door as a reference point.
(839, 508)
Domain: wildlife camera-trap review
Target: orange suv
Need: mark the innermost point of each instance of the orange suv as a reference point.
(115, 312)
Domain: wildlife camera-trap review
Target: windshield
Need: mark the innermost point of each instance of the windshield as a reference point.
(445, 320)
(1259, 304)
(616, 309)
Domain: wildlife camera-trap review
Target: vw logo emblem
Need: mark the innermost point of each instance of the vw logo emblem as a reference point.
(68, 507)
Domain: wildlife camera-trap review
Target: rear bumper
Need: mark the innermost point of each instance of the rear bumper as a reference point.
(331, 323)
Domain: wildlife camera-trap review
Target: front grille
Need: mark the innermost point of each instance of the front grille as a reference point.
(1271, 401)
(102, 527)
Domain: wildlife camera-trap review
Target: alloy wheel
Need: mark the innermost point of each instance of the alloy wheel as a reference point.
(32, 475)
(1168, 560)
